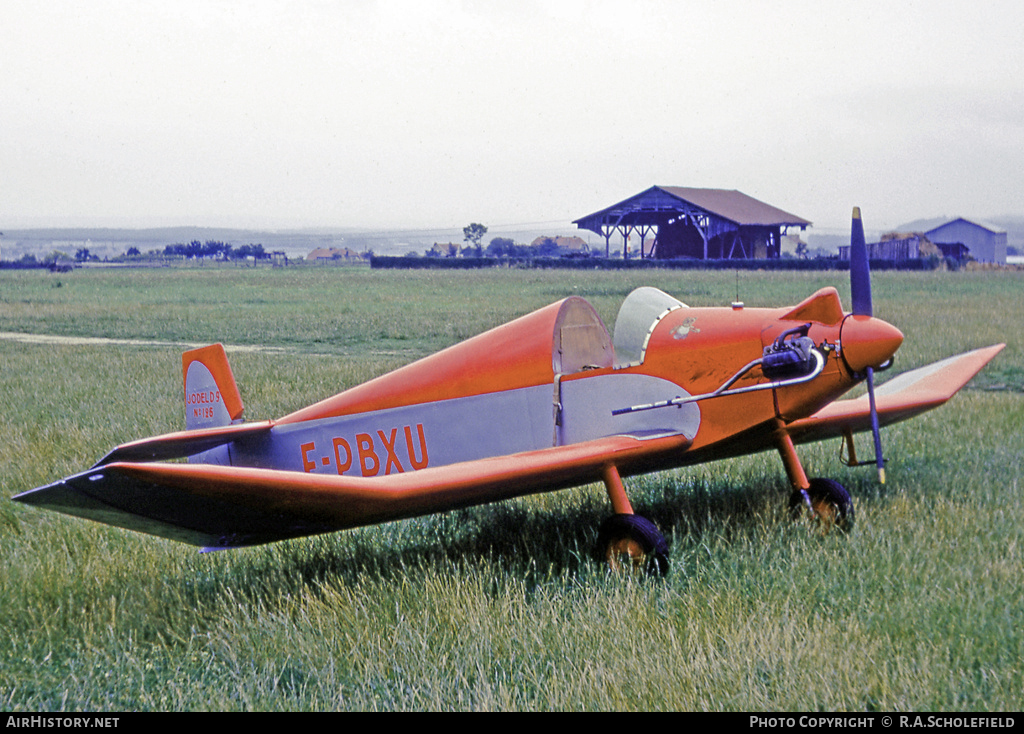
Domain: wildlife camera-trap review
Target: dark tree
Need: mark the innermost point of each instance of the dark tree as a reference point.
(501, 247)
(474, 233)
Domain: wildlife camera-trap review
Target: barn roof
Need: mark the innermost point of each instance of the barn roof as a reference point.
(328, 253)
(729, 205)
(993, 228)
(930, 225)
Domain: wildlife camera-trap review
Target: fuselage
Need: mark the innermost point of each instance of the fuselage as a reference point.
(552, 378)
(548, 401)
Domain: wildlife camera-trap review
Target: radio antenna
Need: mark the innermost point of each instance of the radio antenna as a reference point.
(737, 304)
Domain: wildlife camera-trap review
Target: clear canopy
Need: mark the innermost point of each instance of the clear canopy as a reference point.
(638, 315)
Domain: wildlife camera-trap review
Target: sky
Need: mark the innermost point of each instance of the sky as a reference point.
(441, 113)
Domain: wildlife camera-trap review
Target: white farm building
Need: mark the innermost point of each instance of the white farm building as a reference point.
(985, 242)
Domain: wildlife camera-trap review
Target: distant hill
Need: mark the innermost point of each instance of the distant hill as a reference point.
(111, 242)
(1014, 226)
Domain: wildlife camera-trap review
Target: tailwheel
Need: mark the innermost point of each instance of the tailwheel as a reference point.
(830, 504)
(631, 543)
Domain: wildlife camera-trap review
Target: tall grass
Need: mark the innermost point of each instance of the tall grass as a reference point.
(501, 607)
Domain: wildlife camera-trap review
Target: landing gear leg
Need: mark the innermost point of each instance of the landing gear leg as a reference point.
(826, 500)
(628, 542)
(616, 492)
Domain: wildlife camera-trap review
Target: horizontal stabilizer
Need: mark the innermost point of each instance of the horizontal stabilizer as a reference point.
(223, 507)
(902, 397)
(182, 443)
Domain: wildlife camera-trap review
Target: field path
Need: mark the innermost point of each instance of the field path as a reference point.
(103, 341)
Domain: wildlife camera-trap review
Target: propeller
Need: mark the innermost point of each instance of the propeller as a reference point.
(860, 291)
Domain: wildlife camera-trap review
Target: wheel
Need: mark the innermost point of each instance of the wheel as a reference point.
(632, 543)
(830, 504)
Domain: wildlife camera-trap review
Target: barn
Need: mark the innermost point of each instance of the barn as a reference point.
(673, 221)
(986, 242)
(333, 254)
(900, 247)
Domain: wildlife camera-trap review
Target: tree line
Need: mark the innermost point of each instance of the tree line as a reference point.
(500, 247)
(214, 250)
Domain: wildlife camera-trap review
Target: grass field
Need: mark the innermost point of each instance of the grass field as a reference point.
(500, 607)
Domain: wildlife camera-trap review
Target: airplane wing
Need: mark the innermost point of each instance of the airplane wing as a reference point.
(223, 507)
(902, 397)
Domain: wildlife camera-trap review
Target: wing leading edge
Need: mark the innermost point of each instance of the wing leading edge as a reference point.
(223, 507)
(898, 399)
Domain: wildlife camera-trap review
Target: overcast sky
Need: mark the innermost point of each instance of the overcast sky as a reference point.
(435, 114)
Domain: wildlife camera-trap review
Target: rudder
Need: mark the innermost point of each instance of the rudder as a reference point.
(211, 395)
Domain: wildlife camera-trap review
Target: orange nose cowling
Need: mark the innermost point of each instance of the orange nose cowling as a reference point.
(868, 342)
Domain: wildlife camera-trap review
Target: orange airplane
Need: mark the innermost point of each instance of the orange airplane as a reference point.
(547, 401)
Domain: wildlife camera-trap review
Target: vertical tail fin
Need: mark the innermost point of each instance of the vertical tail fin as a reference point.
(211, 395)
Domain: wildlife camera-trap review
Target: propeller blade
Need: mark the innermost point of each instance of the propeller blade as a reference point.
(879, 461)
(860, 292)
(860, 273)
